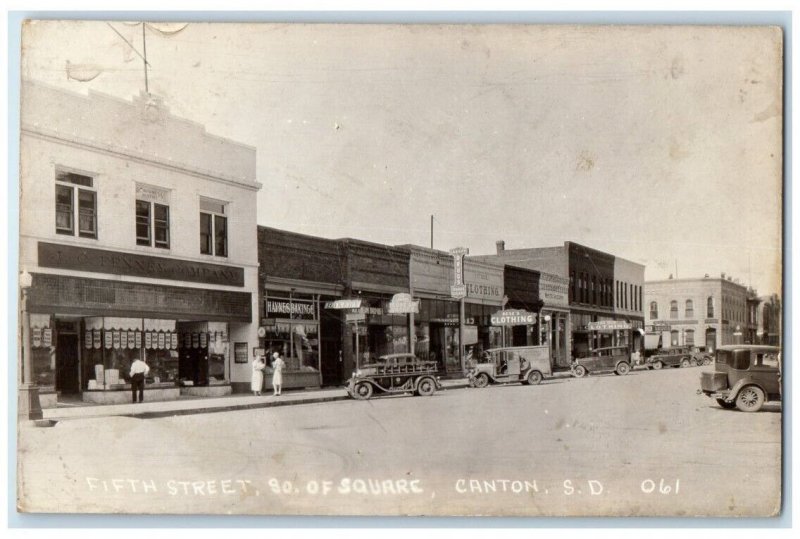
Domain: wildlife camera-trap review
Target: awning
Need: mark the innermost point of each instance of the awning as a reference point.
(651, 341)
(344, 304)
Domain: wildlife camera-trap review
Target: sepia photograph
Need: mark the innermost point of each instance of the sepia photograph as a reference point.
(445, 270)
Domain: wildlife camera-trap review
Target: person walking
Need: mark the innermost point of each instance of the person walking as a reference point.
(277, 373)
(257, 381)
(139, 370)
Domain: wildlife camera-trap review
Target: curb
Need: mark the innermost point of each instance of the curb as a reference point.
(154, 414)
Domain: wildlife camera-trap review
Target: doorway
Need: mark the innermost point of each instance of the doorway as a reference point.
(68, 379)
(711, 340)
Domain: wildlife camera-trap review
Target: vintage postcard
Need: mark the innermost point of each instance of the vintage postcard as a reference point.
(317, 269)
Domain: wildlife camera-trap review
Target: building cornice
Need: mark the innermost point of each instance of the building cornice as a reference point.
(141, 157)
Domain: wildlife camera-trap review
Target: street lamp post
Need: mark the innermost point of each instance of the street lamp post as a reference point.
(28, 406)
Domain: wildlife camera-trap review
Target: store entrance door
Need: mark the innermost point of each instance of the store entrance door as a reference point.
(68, 380)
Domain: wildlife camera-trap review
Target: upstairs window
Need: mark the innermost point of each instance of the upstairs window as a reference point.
(673, 309)
(653, 310)
(213, 227)
(710, 307)
(152, 224)
(76, 202)
(689, 309)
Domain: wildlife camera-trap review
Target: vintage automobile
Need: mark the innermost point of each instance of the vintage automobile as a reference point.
(526, 364)
(744, 377)
(701, 357)
(394, 374)
(616, 359)
(678, 356)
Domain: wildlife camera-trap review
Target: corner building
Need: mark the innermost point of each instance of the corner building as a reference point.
(138, 229)
(707, 312)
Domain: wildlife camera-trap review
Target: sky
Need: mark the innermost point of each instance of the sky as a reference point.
(661, 145)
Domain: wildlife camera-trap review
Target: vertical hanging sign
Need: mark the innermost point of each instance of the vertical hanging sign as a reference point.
(107, 338)
(174, 341)
(160, 340)
(97, 339)
(132, 339)
(458, 289)
(148, 340)
(88, 338)
(47, 337)
(37, 337)
(115, 339)
(123, 339)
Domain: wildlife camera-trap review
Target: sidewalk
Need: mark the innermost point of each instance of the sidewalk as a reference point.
(200, 405)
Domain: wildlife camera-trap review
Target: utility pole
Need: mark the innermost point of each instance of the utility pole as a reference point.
(431, 232)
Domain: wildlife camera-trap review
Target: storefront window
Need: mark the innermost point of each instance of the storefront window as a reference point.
(297, 343)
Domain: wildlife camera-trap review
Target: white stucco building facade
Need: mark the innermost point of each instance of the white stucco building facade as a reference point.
(139, 231)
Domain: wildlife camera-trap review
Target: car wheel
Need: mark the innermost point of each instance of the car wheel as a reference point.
(362, 391)
(657, 365)
(579, 371)
(534, 378)
(482, 380)
(685, 362)
(750, 399)
(727, 405)
(623, 368)
(426, 387)
(695, 362)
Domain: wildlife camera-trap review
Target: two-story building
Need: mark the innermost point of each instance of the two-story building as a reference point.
(138, 229)
(593, 285)
(706, 312)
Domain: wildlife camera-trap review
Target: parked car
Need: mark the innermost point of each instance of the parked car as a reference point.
(745, 376)
(394, 373)
(679, 356)
(701, 357)
(526, 364)
(616, 359)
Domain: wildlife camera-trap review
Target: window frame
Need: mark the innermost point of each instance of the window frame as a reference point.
(214, 218)
(152, 225)
(70, 179)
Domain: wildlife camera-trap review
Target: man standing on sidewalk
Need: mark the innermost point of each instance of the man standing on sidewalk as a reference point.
(139, 370)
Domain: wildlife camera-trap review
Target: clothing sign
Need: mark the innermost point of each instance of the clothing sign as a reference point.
(607, 325)
(513, 317)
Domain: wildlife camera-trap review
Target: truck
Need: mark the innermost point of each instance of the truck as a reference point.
(514, 364)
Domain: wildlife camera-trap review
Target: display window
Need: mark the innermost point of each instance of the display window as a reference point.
(296, 342)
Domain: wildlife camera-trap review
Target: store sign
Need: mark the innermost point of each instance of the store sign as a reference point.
(290, 308)
(483, 282)
(355, 317)
(173, 341)
(97, 339)
(513, 317)
(152, 194)
(608, 325)
(37, 337)
(123, 339)
(108, 339)
(343, 304)
(457, 290)
(403, 304)
(554, 290)
(47, 337)
(115, 339)
(88, 338)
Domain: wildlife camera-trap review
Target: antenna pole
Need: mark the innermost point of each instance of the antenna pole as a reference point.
(144, 50)
(431, 231)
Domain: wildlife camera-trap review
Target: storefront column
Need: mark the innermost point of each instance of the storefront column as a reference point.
(28, 406)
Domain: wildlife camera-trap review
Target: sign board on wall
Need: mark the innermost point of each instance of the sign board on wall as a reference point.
(513, 317)
(403, 304)
(608, 325)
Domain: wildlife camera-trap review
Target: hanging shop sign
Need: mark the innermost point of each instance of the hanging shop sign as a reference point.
(458, 289)
(97, 339)
(403, 304)
(161, 340)
(36, 337)
(289, 307)
(88, 338)
(195, 340)
(137, 339)
(173, 341)
(203, 340)
(344, 304)
(355, 317)
(123, 339)
(47, 337)
(131, 339)
(108, 339)
(513, 317)
(608, 325)
(148, 339)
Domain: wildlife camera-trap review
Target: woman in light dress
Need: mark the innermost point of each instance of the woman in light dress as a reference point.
(257, 381)
(277, 373)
